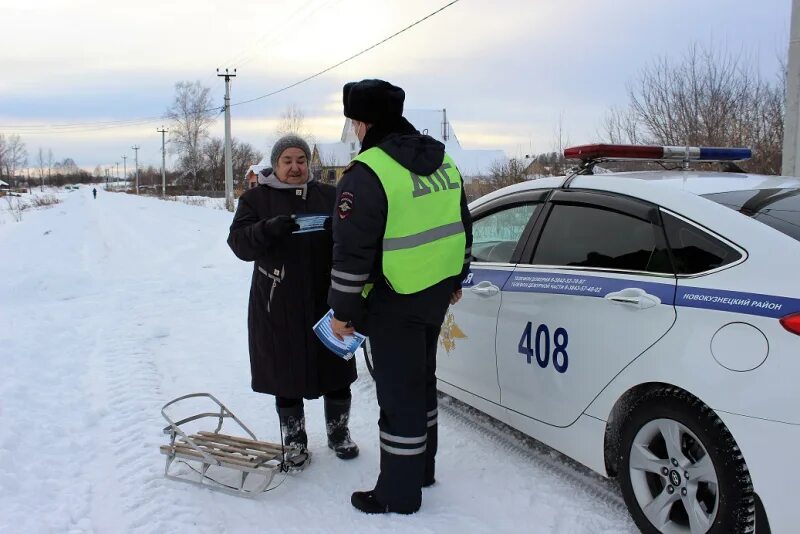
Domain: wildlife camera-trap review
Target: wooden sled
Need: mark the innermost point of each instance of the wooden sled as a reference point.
(255, 463)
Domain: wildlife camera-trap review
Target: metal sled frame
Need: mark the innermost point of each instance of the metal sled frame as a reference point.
(251, 457)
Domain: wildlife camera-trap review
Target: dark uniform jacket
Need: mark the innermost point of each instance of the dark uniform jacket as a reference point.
(360, 219)
(286, 357)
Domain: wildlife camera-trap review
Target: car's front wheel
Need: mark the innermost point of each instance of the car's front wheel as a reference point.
(680, 469)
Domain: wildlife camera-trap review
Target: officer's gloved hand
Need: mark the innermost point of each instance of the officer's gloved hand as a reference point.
(280, 226)
(327, 225)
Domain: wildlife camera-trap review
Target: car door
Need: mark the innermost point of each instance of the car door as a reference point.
(597, 290)
(466, 357)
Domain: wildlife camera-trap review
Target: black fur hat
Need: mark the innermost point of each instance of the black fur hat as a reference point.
(372, 101)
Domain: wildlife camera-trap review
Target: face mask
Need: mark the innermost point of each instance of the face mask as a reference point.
(356, 129)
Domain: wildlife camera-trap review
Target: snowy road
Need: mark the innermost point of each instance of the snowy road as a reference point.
(111, 307)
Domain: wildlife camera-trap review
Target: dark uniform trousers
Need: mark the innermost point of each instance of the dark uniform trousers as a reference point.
(403, 333)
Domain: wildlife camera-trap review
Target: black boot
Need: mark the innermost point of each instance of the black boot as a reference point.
(369, 504)
(337, 417)
(293, 428)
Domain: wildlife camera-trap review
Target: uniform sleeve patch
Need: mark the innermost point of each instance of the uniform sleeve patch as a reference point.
(344, 207)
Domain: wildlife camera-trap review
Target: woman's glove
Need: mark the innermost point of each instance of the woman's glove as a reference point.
(280, 226)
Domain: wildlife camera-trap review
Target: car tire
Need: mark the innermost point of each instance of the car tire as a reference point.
(669, 434)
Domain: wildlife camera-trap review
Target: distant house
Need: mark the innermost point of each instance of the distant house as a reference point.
(4, 185)
(251, 176)
(328, 160)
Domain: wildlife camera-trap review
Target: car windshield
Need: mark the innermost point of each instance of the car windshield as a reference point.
(778, 208)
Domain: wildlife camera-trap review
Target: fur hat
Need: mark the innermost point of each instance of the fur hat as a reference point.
(288, 141)
(372, 101)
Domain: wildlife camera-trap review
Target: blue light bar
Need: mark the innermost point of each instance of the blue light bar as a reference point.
(725, 154)
(603, 152)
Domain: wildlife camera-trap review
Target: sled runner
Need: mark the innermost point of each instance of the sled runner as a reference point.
(246, 465)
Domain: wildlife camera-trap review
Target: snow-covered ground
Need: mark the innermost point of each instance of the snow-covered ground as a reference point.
(111, 307)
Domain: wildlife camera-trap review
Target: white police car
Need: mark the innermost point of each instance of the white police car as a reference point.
(645, 324)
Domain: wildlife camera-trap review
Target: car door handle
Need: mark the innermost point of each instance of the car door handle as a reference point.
(485, 289)
(624, 300)
(634, 297)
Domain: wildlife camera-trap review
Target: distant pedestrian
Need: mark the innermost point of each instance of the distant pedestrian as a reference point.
(94, 192)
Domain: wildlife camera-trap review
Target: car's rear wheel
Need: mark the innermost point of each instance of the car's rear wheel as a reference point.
(681, 471)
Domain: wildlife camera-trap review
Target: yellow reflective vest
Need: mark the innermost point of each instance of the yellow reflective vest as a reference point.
(424, 240)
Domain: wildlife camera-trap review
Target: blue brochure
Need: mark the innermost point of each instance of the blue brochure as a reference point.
(310, 223)
(344, 349)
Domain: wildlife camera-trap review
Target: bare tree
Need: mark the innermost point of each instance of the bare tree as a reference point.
(16, 155)
(41, 165)
(49, 161)
(243, 155)
(214, 162)
(560, 142)
(3, 151)
(706, 99)
(293, 121)
(504, 173)
(620, 126)
(192, 113)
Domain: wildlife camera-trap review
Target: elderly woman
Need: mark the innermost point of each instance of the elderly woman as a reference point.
(291, 277)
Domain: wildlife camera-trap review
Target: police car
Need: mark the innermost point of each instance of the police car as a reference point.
(646, 324)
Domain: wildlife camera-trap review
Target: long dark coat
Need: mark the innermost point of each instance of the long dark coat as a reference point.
(286, 357)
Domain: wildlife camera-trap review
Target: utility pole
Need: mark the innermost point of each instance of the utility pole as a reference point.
(136, 159)
(124, 169)
(163, 162)
(228, 156)
(116, 175)
(791, 136)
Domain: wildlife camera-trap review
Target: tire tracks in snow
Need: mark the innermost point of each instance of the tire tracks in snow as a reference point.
(134, 399)
(127, 388)
(510, 440)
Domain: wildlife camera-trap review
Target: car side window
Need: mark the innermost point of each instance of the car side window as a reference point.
(695, 251)
(496, 235)
(594, 236)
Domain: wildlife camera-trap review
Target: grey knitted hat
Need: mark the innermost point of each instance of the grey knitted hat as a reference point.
(288, 141)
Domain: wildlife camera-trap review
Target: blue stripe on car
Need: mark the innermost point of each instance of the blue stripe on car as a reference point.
(596, 286)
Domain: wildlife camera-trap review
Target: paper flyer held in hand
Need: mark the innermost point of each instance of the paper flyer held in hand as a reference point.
(344, 349)
(310, 223)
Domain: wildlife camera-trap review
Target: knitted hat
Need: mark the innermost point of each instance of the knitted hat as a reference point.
(288, 141)
(372, 101)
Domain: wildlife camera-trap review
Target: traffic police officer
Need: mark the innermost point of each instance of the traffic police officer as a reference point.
(402, 236)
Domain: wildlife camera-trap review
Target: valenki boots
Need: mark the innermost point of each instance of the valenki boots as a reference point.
(293, 427)
(337, 417)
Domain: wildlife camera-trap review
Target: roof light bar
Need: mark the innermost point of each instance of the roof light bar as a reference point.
(649, 152)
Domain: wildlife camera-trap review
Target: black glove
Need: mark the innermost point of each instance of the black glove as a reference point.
(280, 226)
(327, 225)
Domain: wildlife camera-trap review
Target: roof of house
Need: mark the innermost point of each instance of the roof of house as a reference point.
(256, 168)
(336, 154)
(3, 183)
(432, 122)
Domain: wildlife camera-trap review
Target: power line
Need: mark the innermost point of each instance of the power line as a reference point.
(94, 126)
(81, 125)
(320, 73)
(249, 51)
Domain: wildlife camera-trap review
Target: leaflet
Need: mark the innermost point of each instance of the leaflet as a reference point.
(344, 349)
(310, 223)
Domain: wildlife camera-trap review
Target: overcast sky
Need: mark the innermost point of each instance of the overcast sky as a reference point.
(506, 70)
